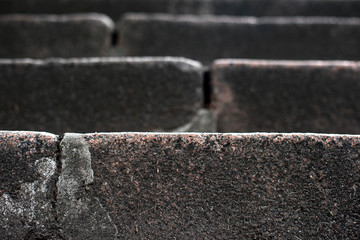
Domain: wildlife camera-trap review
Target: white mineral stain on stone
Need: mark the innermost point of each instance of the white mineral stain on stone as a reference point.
(80, 214)
(32, 204)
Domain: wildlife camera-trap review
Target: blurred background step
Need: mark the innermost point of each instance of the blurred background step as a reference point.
(102, 94)
(112, 8)
(42, 36)
(116, 8)
(287, 96)
(208, 38)
(336, 8)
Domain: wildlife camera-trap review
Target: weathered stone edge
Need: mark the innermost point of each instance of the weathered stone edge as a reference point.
(73, 178)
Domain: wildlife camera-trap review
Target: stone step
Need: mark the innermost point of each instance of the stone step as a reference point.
(28, 176)
(287, 96)
(112, 8)
(102, 94)
(167, 94)
(184, 186)
(338, 8)
(93, 35)
(42, 36)
(197, 186)
(208, 38)
(116, 8)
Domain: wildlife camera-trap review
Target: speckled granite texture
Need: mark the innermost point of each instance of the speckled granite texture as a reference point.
(285, 96)
(43, 36)
(99, 94)
(208, 38)
(223, 186)
(27, 185)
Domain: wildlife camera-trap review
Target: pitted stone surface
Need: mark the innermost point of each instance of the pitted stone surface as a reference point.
(27, 185)
(43, 36)
(99, 94)
(287, 96)
(249, 186)
(80, 215)
(209, 38)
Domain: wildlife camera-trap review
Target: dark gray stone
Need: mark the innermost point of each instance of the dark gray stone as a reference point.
(339, 8)
(80, 216)
(287, 96)
(42, 36)
(223, 186)
(209, 38)
(116, 8)
(27, 185)
(112, 8)
(99, 94)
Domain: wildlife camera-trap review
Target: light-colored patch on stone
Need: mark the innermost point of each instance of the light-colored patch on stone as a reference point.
(204, 121)
(32, 207)
(80, 214)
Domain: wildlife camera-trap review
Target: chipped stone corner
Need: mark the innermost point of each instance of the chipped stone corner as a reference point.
(80, 213)
(203, 121)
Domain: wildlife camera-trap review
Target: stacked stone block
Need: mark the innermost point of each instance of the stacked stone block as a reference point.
(115, 8)
(28, 175)
(100, 94)
(209, 38)
(336, 8)
(169, 185)
(286, 96)
(44, 36)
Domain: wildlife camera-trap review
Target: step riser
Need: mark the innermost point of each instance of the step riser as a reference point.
(341, 8)
(138, 185)
(210, 38)
(284, 96)
(100, 94)
(32, 36)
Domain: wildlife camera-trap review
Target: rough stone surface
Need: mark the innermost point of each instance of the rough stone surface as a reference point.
(209, 38)
(99, 94)
(27, 185)
(41, 36)
(112, 8)
(339, 8)
(287, 96)
(225, 186)
(80, 216)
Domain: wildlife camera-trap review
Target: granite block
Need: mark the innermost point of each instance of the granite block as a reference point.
(338, 8)
(286, 96)
(205, 186)
(28, 170)
(112, 8)
(99, 94)
(44, 36)
(206, 38)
